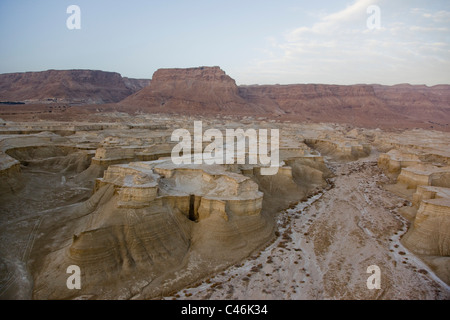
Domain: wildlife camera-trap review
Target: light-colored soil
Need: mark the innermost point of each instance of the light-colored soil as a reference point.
(322, 249)
(325, 246)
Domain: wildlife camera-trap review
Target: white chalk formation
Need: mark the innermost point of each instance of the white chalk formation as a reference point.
(430, 181)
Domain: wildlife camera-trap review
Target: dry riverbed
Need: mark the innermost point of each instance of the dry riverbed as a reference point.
(325, 246)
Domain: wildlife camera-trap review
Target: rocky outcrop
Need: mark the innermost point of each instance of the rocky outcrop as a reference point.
(135, 84)
(425, 175)
(106, 156)
(212, 188)
(415, 168)
(417, 101)
(156, 216)
(430, 234)
(341, 149)
(393, 161)
(428, 193)
(42, 151)
(154, 226)
(209, 90)
(9, 174)
(67, 86)
(195, 91)
(317, 100)
(365, 105)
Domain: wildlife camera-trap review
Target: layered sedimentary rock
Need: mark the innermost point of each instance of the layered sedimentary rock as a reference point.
(430, 231)
(430, 234)
(44, 151)
(427, 146)
(429, 192)
(211, 187)
(318, 100)
(67, 86)
(417, 101)
(372, 105)
(195, 91)
(152, 215)
(423, 170)
(344, 149)
(135, 84)
(426, 175)
(154, 225)
(208, 90)
(108, 155)
(393, 161)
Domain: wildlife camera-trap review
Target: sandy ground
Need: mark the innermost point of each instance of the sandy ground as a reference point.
(325, 246)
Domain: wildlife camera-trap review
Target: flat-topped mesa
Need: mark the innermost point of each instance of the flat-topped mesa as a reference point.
(425, 175)
(193, 90)
(214, 189)
(185, 74)
(430, 213)
(393, 161)
(154, 218)
(193, 86)
(135, 187)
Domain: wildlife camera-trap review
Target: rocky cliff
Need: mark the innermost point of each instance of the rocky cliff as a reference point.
(422, 176)
(419, 102)
(210, 91)
(67, 86)
(372, 105)
(196, 91)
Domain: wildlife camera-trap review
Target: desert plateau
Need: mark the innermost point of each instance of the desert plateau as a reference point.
(88, 179)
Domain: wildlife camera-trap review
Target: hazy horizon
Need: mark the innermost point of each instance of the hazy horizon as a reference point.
(254, 42)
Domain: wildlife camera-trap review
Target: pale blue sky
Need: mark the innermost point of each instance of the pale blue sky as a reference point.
(254, 41)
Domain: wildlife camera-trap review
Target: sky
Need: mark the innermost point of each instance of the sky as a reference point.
(253, 41)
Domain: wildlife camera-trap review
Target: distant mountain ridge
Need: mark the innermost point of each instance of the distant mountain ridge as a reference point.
(68, 86)
(210, 91)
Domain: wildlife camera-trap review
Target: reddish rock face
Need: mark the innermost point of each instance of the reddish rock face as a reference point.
(210, 91)
(194, 90)
(68, 86)
(431, 104)
(364, 105)
(199, 86)
(319, 100)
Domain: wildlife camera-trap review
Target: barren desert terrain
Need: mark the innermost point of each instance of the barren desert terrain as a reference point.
(88, 180)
